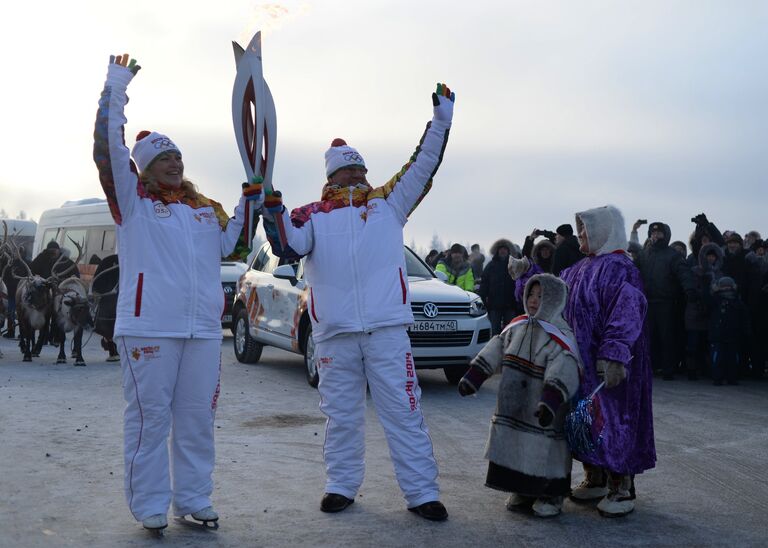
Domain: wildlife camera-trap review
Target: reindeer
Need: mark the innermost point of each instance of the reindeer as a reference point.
(34, 301)
(72, 311)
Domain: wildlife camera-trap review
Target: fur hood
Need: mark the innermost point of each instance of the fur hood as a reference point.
(705, 249)
(501, 242)
(605, 229)
(536, 252)
(554, 295)
(664, 228)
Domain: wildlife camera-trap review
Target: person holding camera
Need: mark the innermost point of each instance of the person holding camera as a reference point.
(705, 232)
(566, 249)
(666, 277)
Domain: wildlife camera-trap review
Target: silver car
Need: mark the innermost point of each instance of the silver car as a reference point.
(270, 308)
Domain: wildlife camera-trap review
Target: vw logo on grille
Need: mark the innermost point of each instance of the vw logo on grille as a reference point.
(430, 310)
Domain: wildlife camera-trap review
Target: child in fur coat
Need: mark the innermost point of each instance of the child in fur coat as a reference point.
(527, 452)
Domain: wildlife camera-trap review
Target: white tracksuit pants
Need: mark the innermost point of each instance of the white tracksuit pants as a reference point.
(170, 386)
(381, 359)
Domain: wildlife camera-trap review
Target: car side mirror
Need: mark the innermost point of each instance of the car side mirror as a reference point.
(285, 272)
(441, 275)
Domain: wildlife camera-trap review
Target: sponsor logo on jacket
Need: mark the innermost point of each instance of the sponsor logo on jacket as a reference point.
(161, 210)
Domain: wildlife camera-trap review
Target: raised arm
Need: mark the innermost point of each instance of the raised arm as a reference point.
(117, 172)
(408, 187)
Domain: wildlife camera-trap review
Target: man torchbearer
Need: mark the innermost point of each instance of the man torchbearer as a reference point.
(359, 307)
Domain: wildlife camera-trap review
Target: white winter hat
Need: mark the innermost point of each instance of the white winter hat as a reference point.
(341, 155)
(149, 145)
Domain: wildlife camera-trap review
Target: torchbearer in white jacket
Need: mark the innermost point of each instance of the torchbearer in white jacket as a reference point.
(170, 241)
(359, 307)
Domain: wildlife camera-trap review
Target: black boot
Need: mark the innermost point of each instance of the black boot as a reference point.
(433, 511)
(333, 502)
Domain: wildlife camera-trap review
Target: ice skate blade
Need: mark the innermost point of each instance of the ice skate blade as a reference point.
(210, 525)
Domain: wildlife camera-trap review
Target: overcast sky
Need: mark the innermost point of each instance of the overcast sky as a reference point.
(657, 107)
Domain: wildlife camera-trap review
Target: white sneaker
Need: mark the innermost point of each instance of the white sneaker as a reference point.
(158, 521)
(589, 491)
(206, 514)
(547, 507)
(615, 505)
(516, 502)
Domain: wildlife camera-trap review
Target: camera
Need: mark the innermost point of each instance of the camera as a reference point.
(642, 221)
(546, 233)
(699, 219)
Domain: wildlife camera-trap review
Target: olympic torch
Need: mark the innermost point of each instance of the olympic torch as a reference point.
(255, 122)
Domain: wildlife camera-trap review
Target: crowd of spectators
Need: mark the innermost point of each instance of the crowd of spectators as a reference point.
(707, 299)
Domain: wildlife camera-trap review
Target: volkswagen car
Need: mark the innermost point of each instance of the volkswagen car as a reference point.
(270, 308)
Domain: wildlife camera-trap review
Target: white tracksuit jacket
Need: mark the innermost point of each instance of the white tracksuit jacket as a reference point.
(170, 251)
(353, 240)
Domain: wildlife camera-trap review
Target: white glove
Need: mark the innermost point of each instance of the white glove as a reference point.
(518, 267)
(442, 101)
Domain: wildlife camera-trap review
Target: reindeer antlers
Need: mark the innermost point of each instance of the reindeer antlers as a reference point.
(58, 276)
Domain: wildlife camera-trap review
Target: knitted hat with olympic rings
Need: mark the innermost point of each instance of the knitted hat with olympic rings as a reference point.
(341, 155)
(149, 145)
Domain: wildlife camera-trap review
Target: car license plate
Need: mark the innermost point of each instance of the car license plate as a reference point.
(226, 318)
(440, 326)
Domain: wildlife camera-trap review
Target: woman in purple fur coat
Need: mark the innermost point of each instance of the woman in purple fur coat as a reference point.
(606, 309)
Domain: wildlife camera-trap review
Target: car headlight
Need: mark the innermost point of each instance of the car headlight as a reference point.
(476, 307)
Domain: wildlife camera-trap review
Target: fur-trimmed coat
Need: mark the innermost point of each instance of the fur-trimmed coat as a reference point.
(539, 365)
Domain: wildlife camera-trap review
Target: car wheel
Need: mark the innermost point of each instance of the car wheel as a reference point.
(246, 349)
(313, 377)
(454, 374)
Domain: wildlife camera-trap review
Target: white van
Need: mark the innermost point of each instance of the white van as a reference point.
(21, 233)
(89, 223)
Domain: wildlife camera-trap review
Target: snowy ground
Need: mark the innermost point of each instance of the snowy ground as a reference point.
(61, 481)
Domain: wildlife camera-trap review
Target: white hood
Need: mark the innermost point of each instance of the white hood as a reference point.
(605, 229)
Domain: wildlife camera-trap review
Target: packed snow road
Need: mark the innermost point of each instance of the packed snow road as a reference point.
(61, 483)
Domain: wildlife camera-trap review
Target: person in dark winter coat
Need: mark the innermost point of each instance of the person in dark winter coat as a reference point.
(742, 265)
(705, 232)
(497, 288)
(566, 249)
(666, 277)
(432, 257)
(105, 281)
(704, 275)
(729, 329)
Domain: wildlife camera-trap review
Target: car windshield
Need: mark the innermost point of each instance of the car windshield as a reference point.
(415, 266)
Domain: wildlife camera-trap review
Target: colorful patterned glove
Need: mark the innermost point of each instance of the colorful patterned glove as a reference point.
(611, 372)
(254, 190)
(273, 201)
(121, 70)
(442, 101)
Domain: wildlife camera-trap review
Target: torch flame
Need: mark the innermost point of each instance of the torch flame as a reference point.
(270, 17)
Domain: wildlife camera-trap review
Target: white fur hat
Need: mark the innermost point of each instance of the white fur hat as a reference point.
(341, 155)
(149, 145)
